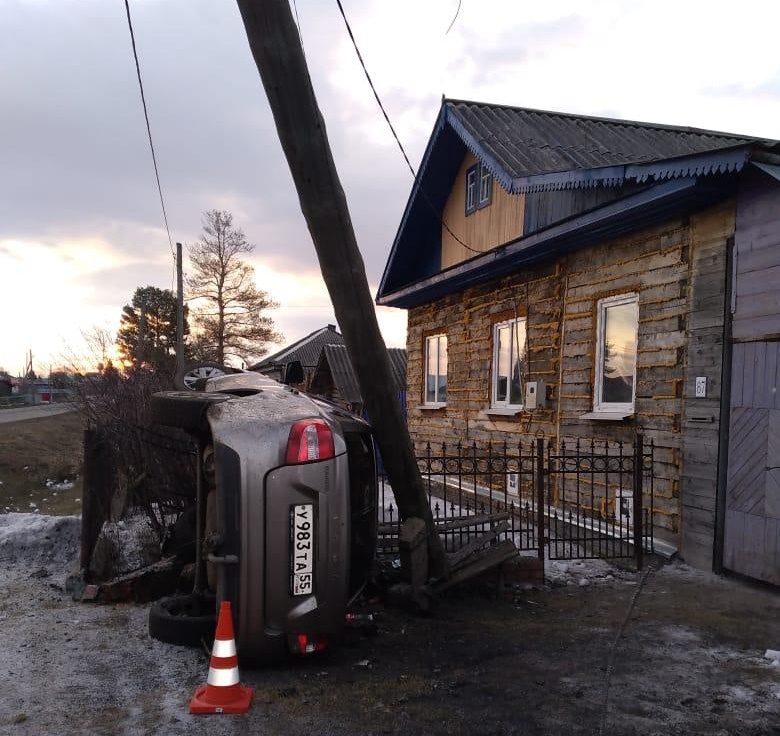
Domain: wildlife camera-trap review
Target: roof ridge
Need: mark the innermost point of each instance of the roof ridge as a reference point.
(612, 121)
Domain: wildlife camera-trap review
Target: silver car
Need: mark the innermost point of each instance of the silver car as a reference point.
(287, 495)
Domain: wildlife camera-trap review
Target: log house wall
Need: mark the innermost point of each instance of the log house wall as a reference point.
(673, 267)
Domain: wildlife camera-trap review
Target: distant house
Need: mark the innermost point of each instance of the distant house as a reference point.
(589, 279)
(6, 384)
(306, 350)
(335, 380)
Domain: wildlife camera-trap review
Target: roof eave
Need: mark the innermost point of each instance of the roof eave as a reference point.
(607, 221)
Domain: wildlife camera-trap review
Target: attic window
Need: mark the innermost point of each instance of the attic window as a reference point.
(479, 188)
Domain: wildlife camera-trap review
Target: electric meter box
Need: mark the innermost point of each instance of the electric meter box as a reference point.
(534, 395)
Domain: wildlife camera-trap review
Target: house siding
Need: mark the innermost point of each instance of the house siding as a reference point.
(674, 268)
(500, 221)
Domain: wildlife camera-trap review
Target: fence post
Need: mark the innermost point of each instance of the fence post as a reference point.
(95, 494)
(539, 477)
(639, 461)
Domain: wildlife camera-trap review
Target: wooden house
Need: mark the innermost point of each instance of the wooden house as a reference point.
(306, 351)
(575, 277)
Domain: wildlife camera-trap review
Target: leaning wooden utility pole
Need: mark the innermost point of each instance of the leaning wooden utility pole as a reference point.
(276, 47)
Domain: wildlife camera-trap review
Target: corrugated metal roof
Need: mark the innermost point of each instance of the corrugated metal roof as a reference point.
(521, 144)
(307, 350)
(344, 377)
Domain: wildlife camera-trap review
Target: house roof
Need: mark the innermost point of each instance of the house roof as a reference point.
(531, 150)
(306, 350)
(336, 357)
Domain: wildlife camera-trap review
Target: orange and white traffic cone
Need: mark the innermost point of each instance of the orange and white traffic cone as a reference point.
(222, 692)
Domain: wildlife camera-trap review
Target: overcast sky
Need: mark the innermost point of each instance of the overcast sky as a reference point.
(80, 219)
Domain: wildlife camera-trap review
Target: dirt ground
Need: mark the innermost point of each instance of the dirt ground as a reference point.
(691, 660)
(35, 451)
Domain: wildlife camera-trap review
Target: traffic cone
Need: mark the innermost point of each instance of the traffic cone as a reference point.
(222, 692)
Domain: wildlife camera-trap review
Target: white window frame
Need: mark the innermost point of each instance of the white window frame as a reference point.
(472, 189)
(434, 340)
(601, 311)
(495, 403)
(485, 187)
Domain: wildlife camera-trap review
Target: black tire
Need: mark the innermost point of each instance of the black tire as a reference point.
(192, 376)
(184, 619)
(184, 409)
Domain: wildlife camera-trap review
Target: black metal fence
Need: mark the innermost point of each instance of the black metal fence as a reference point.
(570, 500)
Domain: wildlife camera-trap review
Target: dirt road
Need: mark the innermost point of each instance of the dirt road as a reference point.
(41, 411)
(691, 660)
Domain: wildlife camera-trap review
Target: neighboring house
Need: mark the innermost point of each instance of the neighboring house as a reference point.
(618, 277)
(335, 380)
(306, 350)
(6, 385)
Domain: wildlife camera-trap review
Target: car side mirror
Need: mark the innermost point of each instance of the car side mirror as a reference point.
(293, 373)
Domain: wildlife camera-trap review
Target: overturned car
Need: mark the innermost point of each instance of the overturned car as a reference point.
(286, 513)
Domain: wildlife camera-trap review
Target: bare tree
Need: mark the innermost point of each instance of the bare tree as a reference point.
(230, 320)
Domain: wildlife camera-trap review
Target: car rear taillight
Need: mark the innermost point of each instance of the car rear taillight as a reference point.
(310, 440)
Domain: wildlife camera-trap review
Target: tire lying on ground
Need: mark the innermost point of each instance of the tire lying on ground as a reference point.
(184, 409)
(184, 619)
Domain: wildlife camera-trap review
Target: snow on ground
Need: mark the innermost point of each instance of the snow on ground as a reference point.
(37, 539)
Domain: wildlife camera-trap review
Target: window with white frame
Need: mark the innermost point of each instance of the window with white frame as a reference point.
(509, 345)
(479, 188)
(616, 350)
(436, 370)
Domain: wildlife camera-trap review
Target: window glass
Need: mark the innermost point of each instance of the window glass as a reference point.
(618, 323)
(508, 362)
(436, 369)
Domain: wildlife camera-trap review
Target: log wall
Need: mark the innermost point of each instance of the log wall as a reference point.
(675, 269)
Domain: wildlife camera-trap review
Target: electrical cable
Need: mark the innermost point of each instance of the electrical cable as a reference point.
(148, 128)
(449, 27)
(395, 135)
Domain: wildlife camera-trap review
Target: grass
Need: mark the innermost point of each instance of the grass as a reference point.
(37, 450)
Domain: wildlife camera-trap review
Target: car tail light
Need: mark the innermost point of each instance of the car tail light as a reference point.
(310, 440)
(305, 644)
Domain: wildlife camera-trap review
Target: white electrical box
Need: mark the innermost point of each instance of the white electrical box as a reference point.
(624, 507)
(534, 395)
(701, 387)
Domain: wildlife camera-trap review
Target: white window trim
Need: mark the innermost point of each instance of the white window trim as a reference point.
(433, 404)
(504, 406)
(615, 408)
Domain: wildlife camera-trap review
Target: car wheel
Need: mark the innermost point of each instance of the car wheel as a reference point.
(187, 378)
(183, 409)
(184, 619)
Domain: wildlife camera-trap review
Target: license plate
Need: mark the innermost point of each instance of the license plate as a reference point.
(302, 552)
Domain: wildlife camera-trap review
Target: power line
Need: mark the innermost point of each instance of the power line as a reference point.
(395, 135)
(148, 127)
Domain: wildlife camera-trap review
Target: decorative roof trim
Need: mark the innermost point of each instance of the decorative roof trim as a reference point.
(710, 162)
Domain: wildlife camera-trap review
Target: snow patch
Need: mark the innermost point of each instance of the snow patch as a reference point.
(35, 538)
(773, 655)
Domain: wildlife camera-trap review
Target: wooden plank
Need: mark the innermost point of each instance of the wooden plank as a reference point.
(480, 562)
(737, 374)
(768, 394)
(460, 555)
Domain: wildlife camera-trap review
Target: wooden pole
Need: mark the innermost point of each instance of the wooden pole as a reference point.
(179, 310)
(276, 47)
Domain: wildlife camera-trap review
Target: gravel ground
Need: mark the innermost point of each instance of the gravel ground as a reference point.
(691, 660)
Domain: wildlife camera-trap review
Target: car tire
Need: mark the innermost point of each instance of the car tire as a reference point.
(184, 619)
(188, 377)
(183, 409)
